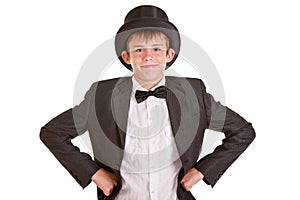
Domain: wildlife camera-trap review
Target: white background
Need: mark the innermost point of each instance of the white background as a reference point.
(255, 46)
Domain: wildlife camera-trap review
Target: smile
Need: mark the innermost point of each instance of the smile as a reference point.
(148, 66)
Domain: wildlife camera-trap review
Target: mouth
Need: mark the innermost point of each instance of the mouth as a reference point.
(148, 66)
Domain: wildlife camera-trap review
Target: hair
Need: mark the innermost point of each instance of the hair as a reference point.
(147, 35)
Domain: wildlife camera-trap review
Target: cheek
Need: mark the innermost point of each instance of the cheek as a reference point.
(162, 57)
(136, 59)
(162, 60)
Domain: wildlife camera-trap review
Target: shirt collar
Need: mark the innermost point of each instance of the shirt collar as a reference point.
(137, 86)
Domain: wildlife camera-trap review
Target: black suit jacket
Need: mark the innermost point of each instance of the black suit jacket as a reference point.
(104, 114)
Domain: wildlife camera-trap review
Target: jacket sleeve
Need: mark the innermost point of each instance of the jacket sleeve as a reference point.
(57, 135)
(238, 135)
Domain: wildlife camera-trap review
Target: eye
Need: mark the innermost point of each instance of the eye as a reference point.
(138, 50)
(157, 49)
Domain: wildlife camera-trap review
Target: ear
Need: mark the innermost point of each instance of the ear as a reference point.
(125, 57)
(170, 54)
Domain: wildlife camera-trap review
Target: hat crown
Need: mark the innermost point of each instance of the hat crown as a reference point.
(146, 12)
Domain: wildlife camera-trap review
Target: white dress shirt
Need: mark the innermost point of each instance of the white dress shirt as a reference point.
(151, 163)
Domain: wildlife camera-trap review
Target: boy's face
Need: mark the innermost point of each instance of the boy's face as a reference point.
(148, 58)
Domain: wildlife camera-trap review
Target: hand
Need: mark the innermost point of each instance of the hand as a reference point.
(192, 177)
(105, 180)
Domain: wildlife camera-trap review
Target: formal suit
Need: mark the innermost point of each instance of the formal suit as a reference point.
(104, 113)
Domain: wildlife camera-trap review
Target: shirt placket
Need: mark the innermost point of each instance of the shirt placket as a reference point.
(152, 179)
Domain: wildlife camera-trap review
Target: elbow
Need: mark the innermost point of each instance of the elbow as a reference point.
(44, 135)
(247, 135)
(251, 135)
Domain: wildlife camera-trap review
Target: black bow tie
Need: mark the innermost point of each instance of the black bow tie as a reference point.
(159, 92)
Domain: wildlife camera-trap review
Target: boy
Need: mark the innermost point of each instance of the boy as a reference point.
(147, 130)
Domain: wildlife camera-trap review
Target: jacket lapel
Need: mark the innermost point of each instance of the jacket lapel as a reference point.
(120, 105)
(174, 96)
(184, 112)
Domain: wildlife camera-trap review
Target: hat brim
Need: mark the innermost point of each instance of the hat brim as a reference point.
(147, 24)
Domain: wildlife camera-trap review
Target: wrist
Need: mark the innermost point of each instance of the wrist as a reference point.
(96, 174)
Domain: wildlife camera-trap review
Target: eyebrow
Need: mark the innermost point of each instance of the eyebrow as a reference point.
(153, 45)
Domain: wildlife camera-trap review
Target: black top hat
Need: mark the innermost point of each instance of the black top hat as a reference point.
(146, 17)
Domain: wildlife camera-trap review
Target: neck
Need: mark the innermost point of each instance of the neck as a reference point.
(148, 85)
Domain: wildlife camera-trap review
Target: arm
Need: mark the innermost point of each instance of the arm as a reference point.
(238, 135)
(57, 135)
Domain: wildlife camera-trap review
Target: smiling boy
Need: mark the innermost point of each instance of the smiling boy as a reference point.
(147, 130)
(148, 53)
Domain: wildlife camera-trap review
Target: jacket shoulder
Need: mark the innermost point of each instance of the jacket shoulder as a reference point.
(108, 83)
(193, 81)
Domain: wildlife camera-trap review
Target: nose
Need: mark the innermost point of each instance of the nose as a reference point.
(147, 55)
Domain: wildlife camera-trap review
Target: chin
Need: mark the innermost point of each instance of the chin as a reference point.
(149, 74)
(153, 79)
